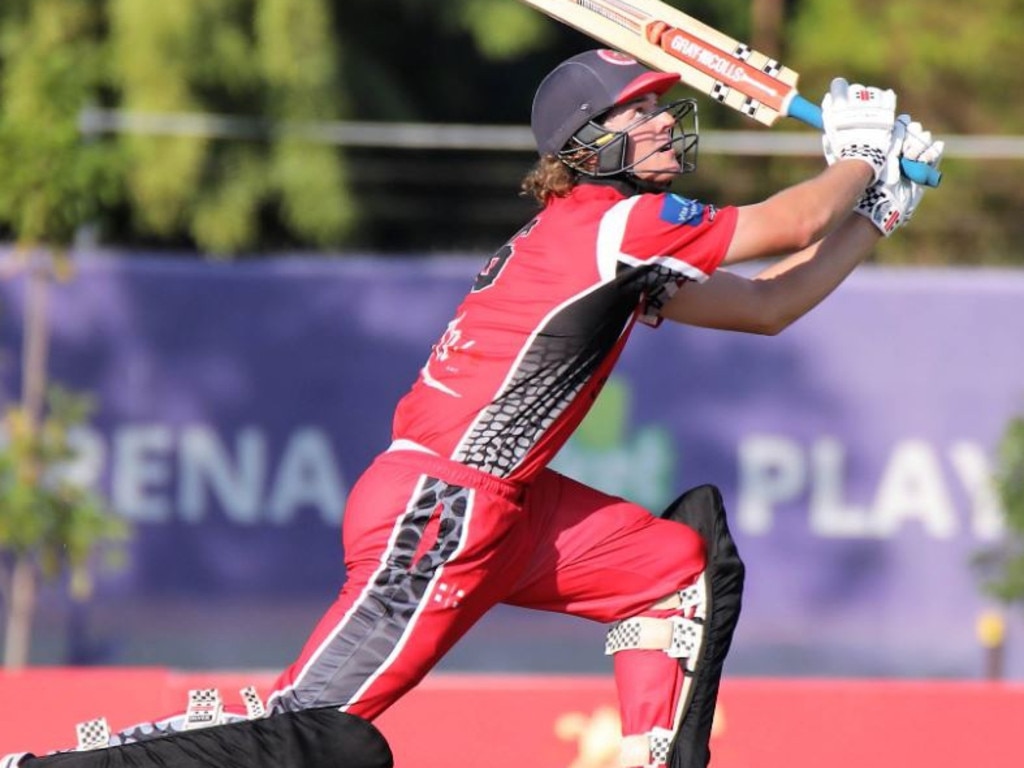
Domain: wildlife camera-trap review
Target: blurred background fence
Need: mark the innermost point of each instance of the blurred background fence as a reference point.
(444, 186)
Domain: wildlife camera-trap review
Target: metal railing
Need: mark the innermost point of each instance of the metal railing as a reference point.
(484, 138)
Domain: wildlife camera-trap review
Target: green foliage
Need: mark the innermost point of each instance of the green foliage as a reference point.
(44, 514)
(951, 65)
(153, 48)
(945, 60)
(52, 182)
(503, 29)
(278, 64)
(1004, 565)
(300, 68)
(260, 59)
(271, 62)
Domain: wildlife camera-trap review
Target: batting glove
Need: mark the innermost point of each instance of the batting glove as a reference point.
(858, 122)
(890, 203)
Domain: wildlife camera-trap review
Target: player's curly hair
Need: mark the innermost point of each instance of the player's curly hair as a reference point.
(549, 178)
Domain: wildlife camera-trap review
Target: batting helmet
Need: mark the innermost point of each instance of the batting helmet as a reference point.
(584, 87)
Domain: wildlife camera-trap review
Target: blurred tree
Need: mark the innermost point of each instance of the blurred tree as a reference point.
(952, 66)
(272, 59)
(49, 524)
(271, 65)
(292, 61)
(53, 182)
(1003, 566)
(276, 65)
(51, 65)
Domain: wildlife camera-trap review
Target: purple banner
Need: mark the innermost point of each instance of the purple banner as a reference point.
(236, 405)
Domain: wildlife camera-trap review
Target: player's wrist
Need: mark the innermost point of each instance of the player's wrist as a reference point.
(871, 156)
(864, 169)
(879, 206)
(890, 203)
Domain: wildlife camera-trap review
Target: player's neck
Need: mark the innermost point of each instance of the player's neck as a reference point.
(624, 184)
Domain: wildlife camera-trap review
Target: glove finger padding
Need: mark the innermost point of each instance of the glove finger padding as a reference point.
(858, 123)
(891, 171)
(890, 202)
(919, 146)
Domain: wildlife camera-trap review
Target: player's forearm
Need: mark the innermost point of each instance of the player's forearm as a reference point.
(781, 293)
(827, 199)
(798, 216)
(797, 284)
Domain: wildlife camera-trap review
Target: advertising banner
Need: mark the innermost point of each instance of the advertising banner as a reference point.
(236, 404)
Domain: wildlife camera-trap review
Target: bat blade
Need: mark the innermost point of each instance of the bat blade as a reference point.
(707, 60)
(668, 40)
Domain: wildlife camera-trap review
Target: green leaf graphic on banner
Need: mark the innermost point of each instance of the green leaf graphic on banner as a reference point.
(614, 456)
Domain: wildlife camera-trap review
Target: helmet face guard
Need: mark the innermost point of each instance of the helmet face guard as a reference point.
(597, 152)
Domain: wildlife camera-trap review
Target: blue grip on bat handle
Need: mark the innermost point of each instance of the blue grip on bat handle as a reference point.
(807, 112)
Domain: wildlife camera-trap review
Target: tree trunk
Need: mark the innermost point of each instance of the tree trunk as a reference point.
(766, 26)
(18, 632)
(37, 338)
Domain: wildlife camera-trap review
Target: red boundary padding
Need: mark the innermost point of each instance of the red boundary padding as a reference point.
(456, 721)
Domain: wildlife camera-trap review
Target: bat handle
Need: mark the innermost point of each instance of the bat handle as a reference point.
(810, 113)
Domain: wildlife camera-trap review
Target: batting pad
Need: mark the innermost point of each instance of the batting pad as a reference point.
(312, 738)
(702, 509)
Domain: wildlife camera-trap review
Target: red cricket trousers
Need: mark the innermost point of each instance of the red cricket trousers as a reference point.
(431, 545)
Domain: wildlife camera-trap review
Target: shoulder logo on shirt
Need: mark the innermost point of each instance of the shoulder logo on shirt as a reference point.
(682, 210)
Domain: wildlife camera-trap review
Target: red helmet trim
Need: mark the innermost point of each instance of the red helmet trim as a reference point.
(649, 82)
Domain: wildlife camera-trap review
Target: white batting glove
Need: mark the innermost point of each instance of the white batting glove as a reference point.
(889, 204)
(858, 122)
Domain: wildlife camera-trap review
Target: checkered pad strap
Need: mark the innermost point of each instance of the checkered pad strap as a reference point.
(693, 601)
(254, 707)
(678, 636)
(873, 155)
(687, 638)
(649, 750)
(871, 197)
(93, 734)
(881, 210)
(204, 708)
(14, 759)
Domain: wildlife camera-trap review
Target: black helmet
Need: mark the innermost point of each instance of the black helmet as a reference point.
(584, 87)
(573, 97)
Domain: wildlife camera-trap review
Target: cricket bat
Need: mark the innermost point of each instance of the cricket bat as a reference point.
(728, 71)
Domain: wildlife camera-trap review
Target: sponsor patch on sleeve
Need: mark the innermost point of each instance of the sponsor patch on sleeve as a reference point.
(682, 210)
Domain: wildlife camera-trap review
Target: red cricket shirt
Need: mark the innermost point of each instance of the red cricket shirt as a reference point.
(533, 342)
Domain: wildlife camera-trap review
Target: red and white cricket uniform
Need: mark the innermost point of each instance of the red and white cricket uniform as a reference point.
(462, 512)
